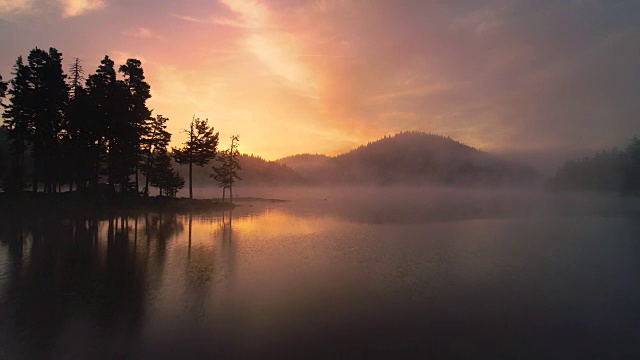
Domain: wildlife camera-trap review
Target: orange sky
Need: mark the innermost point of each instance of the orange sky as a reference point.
(324, 76)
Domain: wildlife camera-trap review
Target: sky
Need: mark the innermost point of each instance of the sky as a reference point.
(324, 76)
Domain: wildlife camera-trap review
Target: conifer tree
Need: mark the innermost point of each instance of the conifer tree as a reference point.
(138, 113)
(17, 118)
(3, 90)
(110, 101)
(35, 116)
(49, 96)
(76, 75)
(155, 137)
(226, 174)
(162, 175)
(199, 149)
(3, 87)
(81, 135)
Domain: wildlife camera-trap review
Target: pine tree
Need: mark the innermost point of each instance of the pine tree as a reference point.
(138, 113)
(3, 87)
(110, 101)
(221, 172)
(162, 175)
(199, 148)
(76, 75)
(49, 96)
(100, 87)
(17, 121)
(155, 137)
(3, 90)
(81, 136)
(226, 174)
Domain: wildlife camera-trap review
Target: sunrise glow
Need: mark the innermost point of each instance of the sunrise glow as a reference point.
(324, 76)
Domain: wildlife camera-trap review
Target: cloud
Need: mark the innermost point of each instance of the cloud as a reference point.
(493, 73)
(251, 13)
(16, 7)
(71, 8)
(276, 49)
(142, 33)
(231, 22)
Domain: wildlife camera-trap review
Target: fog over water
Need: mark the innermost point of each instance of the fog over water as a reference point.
(332, 272)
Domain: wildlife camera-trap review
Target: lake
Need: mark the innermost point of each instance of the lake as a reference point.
(330, 274)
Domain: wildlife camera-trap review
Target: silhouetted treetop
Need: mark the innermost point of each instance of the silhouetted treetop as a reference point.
(3, 87)
(80, 135)
(199, 148)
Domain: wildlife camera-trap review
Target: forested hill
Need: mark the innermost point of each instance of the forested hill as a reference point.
(614, 171)
(255, 171)
(412, 158)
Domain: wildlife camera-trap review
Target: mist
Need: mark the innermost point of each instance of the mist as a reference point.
(415, 205)
(319, 179)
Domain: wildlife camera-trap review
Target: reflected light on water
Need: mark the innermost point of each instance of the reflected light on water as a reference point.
(270, 280)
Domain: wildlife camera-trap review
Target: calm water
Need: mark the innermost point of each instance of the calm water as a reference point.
(337, 276)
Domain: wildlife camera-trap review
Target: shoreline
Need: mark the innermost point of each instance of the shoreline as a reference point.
(29, 204)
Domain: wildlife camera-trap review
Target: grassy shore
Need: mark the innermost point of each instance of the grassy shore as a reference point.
(76, 203)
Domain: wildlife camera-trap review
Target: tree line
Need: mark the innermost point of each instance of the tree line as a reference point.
(613, 171)
(96, 131)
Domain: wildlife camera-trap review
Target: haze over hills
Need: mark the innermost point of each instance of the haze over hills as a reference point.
(407, 158)
(411, 158)
(255, 171)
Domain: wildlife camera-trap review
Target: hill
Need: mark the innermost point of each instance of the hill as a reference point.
(614, 171)
(412, 158)
(315, 167)
(255, 171)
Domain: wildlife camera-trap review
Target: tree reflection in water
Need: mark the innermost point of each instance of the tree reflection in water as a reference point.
(78, 288)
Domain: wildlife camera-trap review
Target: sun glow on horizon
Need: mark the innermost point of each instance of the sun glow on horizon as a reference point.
(325, 76)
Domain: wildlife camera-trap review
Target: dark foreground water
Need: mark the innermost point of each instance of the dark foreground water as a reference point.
(328, 277)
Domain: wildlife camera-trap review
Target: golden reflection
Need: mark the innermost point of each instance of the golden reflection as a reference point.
(272, 222)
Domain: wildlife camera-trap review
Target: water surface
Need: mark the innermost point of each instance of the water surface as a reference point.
(327, 277)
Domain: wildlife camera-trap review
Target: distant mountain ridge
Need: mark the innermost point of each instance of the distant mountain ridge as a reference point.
(407, 158)
(411, 158)
(255, 171)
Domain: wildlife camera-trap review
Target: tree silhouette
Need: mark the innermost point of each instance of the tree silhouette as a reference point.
(79, 131)
(226, 174)
(17, 122)
(632, 171)
(162, 175)
(77, 137)
(49, 93)
(35, 115)
(199, 148)
(3, 87)
(155, 138)
(110, 99)
(3, 90)
(613, 171)
(138, 113)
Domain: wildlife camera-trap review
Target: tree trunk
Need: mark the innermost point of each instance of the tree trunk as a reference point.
(224, 192)
(230, 194)
(137, 187)
(146, 177)
(190, 180)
